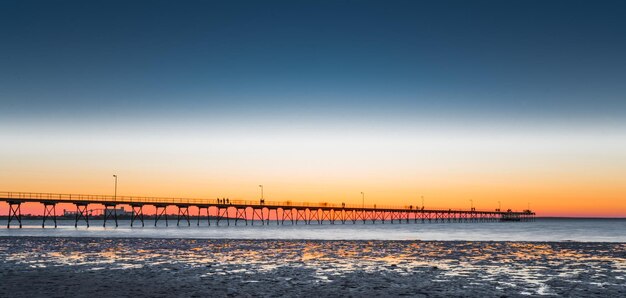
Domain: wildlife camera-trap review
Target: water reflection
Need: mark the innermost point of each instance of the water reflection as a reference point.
(529, 267)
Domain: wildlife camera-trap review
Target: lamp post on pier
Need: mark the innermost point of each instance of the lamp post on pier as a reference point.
(115, 193)
(363, 199)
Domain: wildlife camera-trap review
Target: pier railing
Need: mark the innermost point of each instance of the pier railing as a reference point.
(245, 210)
(106, 199)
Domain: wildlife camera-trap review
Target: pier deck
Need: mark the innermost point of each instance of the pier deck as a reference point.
(247, 210)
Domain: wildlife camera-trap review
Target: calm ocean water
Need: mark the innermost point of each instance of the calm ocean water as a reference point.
(585, 230)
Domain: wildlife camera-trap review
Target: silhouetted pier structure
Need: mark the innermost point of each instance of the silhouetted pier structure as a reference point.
(260, 211)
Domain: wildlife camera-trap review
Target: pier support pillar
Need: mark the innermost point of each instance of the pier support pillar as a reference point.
(258, 213)
(158, 214)
(287, 214)
(240, 214)
(207, 214)
(15, 212)
(269, 213)
(49, 210)
(314, 214)
(81, 213)
(183, 211)
(137, 214)
(109, 209)
(221, 213)
(300, 214)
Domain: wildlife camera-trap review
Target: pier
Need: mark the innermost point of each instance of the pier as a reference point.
(226, 211)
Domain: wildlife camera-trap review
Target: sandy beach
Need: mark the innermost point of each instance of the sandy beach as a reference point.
(80, 267)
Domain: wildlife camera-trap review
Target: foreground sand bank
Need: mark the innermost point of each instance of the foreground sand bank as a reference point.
(62, 267)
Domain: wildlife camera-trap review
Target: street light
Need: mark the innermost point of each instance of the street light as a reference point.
(472, 204)
(422, 202)
(261, 186)
(363, 199)
(115, 194)
(499, 206)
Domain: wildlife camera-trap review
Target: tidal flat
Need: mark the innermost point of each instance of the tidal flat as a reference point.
(151, 267)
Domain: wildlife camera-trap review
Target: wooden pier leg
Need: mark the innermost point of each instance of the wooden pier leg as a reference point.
(15, 212)
(81, 213)
(76, 218)
(136, 214)
(178, 217)
(49, 210)
(183, 211)
(54, 214)
(307, 216)
(307, 220)
(160, 214)
(277, 221)
(227, 216)
(167, 224)
(108, 213)
(198, 216)
(236, 215)
(282, 222)
(115, 216)
(208, 215)
(43, 222)
(219, 217)
(186, 214)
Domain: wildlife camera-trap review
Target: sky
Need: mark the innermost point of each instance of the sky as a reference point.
(520, 102)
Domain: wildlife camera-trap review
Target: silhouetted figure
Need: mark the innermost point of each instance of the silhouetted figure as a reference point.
(343, 205)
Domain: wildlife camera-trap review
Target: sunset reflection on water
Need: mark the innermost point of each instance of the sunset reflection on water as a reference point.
(528, 266)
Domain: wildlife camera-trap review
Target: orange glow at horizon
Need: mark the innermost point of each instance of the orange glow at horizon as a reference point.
(557, 175)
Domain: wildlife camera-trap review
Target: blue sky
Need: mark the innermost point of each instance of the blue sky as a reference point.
(513, 101)
(319, 61)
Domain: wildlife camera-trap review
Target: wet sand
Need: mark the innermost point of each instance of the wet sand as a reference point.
(80, 267)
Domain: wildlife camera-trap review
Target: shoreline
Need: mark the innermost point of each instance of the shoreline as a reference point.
(147, 267)
(594, 231)
(304, 239)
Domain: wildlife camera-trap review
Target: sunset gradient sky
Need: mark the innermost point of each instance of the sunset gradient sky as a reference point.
(512, 101)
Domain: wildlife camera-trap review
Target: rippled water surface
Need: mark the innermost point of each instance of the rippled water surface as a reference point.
(586, 230)
(498, 267)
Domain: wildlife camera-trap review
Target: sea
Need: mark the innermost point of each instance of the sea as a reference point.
(539, 230)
